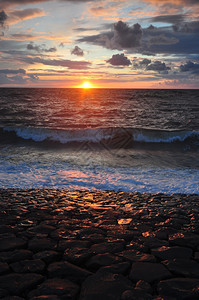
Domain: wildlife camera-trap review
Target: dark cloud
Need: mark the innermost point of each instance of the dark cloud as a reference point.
(119, 60)
(170, 19)
(7, 71)
(190, 67)
(37, 48)
(145, 62)
(27, 13)
(77, 51)
(188, 27)
(3, 18)
(162, 40)
(81, 65)
(122, 37)
(158, 66)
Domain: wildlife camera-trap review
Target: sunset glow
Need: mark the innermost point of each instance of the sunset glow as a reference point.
(113, 43)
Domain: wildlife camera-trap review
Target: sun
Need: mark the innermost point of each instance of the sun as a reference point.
(86, 85)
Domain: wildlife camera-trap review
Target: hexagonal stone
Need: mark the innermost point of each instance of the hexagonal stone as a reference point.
(47, 256)
(77, 255)
(11, 243)
(57, 287)
(103, 285)
(18, 283)
(184, 239)
(16, 255)
(136, 256)
(184, 267)
(3, 268)
(28, 266)
(172, 252)
(111, 247)
(120, 268)
(68, 270)
(148, 272)
(180, 288)
(101, 260)
(41, 244)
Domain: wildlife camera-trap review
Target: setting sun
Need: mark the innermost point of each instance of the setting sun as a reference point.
(86, 85)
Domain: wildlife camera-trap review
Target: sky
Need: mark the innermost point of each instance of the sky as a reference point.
(111, 44)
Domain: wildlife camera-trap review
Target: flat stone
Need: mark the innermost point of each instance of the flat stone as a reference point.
(152, 242)
(77, 255)
(12, 243)
(65, 244)
(137, 256)
(172, 252)
(179, 288)
(148, 272)
(18, 283)
(110, 247)
(3, 293)
(184, 267)
(12, 298)
(42, 228)
(184, 239)
(101, 260)
(4, 268)
(28, 266)
(16, 255)
(68, 270)
(120, 268)
(41, 244)
(135, 295)
(47, 256)
(45, 297)
(143, 285)
(56, 287)
(104, 285)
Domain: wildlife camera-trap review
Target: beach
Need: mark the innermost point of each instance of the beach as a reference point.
(58, 244)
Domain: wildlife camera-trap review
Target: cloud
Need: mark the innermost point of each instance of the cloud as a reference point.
(25, 14)
(119, 60)
(157, 66)
(36, 48)
(3, 18)
(162, 40)
(81, 65)
(190, 67)
(7, 71)
(170, 19)
(122, 37)
(77, 51)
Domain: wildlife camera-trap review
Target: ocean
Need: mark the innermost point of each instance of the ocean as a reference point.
(100, 139)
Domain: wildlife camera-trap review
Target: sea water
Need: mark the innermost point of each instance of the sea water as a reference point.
(100, 139)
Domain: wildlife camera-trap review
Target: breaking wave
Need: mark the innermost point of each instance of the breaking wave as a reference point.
(101, 135)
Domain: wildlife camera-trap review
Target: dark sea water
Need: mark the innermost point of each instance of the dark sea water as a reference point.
(115, 139)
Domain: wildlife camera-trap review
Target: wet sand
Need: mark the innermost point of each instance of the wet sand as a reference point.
(98, 245)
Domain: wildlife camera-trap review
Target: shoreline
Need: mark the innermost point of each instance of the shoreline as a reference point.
(57, 244)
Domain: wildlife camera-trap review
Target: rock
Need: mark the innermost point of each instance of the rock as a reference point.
(148, 272)
(184, 239)
(120, 268)
(12, 298)
(56, 287)
(101, 260)
(41, 244)
(137, 256)
(18, 283)
(184, 267)
(65, 244)
(152, 242)
(77, 255)
(47, 256)
(42, 228)
(68, 270)
(103, 285)
(179, 288)
(172, 252)
(45, 297)
(143, 285)
(12, 243)
(110, 247)
(3, 293)
(28, 266)
(16, 255)
(135, 295)
(4, 268)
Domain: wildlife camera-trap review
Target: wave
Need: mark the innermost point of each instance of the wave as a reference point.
(101, 135)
